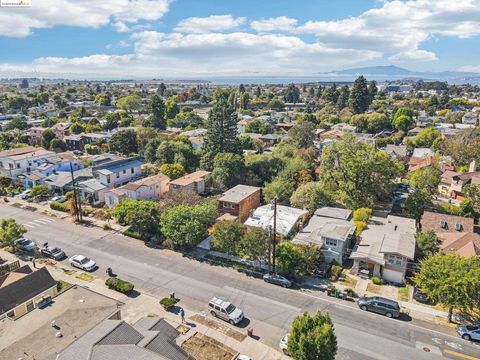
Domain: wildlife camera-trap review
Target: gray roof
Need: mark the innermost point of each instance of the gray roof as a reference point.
(91, 184)
(335, 213)
(123, 334)
(62, 179)
(238, 193)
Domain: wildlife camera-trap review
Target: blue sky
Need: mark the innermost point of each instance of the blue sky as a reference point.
(163, 38)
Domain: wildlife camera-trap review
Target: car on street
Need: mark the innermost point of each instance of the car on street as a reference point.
(225, 310)
(419, 296)
(469, 332)
(277, 280)
(387, 307)
(284, 344)
(24, 244)
(25, 194)
(82, 262)
(53, 252)
(59, 199)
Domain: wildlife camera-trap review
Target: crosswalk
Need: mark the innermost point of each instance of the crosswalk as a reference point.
(38, 222)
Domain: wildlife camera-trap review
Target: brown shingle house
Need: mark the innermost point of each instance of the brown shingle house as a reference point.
(240, 201)
(445, 223)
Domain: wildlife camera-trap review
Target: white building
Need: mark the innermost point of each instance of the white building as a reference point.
(287, 219)
(118, 172)
(14, 162)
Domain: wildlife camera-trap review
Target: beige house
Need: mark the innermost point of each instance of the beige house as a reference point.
(194, 181)
(452, 183)
(22, 290)
(149, 188)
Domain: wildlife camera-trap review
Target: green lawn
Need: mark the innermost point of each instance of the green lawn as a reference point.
(403, 293)
(85, 277)
(63, 285)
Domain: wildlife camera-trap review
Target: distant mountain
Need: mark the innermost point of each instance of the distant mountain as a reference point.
(395, 73)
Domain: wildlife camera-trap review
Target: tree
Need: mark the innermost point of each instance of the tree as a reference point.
(39, 190)
(144, 218)
(173, 171)
(254, 244)
(10, 231)
(426, 178)
(92, 149)
(76, 128)
(47, 136)
(301, 135)
(228, 170)
(359, 96)
(312, 338)
(24, 84)
(276, 104)
(185, 226)
(464, 147)
(403, 123)
(450, 279)
(472, 194)
(221, 136)
(416, 203)
(111, 121)
(161, 89)
(16, 123)
(180, 197)
(258, 126)
(372, 90)
(171, 108)
(150, 151)
(292, 94)
(280, 187)
(426, 242)
(426, 137)
(297, 259)
(343, 97)
(124, 142)
(311, 196)
(226, 236)
(358, 173)
(129, 103)
(104, 99)
(157, 108)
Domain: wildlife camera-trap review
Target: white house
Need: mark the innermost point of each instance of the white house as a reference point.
(149, 188)
(118, 172)
(14, 162)
(288, 219)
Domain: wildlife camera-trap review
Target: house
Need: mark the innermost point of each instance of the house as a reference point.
(470, 118)
(194, 181)
(35, 133)
(454, 233)
(150, 338)
(22, 289)
(331, 229)
(239, 201)
(399, 152)
(385, 248)
(453, 183)
(17, 161)
(288, 219)
(119, 172)
(61, 182)
(61, 129)
(74, 142)
(416, 163)
(149, 188)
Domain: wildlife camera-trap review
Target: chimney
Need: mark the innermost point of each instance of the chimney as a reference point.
(473, 166)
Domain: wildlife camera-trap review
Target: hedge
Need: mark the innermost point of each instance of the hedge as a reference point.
(59, 206)
(377, 281)
(119, 285)
(168, 303)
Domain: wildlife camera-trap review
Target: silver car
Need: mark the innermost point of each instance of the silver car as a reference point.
(277, 280)
(82, 262)
(225, 310)
(469, 332)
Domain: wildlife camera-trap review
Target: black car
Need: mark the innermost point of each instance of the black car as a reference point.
(380, 305)
(419, 296)
(322, 270)
(53, 253)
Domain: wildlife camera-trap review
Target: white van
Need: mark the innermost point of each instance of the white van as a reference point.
(225, 310)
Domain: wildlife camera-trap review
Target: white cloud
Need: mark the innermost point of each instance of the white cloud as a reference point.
(121, 26)
(212, 23)
(42, 14)
(471, 68)
(413, 55)
(281, 23)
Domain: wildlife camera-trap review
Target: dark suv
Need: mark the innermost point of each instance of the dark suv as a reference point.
(380, 305)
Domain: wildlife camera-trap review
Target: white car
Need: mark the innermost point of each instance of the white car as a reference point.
(284, 344)
(59, 199)
(225, 310)
(24, 194)
(82, 262)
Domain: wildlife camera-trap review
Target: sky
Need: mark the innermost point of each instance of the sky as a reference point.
(191, 38)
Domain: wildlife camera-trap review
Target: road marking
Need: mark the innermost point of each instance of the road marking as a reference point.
(433, 349)
(457, 354)
(29, 225)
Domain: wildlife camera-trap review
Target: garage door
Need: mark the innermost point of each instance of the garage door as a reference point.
(393, 276)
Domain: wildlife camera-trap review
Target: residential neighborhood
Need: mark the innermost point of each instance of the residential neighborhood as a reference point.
(255, 203)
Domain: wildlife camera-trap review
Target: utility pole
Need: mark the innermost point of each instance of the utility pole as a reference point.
(76, 203)
(270, 249)
(274, 237)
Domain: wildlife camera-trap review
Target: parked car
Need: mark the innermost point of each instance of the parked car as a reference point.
(284, 344)
(469, 332)
(25, 244)
(277, 280)
(419, 296)
(59, 199)
(82, 262)
(380, 305)
(322, 270)
(25, 194)
(53, 252)
(225, 310)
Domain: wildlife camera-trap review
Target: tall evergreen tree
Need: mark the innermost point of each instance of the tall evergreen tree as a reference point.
(372, 90)
(161, 89)
(157, 108)
(221, 136)
(293, 94)
(343, 97)
(359, 96)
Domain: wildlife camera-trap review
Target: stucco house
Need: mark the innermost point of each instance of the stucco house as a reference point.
(17, 161)
(194, 181)
(239, 201)
(118, 172)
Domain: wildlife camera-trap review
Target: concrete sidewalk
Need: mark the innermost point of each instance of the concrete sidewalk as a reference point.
(144, 305)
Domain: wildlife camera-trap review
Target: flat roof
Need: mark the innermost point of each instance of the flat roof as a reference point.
(238, 193)
(75, 311)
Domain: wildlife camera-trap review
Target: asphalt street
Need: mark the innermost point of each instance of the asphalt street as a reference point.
(269, 309)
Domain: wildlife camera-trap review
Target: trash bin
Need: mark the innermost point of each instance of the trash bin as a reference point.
(172, 295)
(250, 332)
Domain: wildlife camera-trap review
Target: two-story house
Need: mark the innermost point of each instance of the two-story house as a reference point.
(35, 133)
(239, 201)
(385, 248)
(118, 172)
(149, 188)
(194, 182)
(332, 230)
(452, 183)
(14, 162)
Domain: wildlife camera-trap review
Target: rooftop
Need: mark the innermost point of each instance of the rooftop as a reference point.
(287, 217)
(433, 221)
(335, 213)
(239, 193)
(190, 178)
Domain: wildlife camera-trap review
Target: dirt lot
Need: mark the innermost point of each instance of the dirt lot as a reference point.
(225, 329)
(202, 347)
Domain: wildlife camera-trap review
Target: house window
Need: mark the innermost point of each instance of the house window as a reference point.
(118, 175)
(227, 205)
(124, 171)
(18, 166)
(132, 170)
(395, 260)
(331, 242)
(108, 179)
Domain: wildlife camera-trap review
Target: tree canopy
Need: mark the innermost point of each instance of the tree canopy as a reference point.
(359, 99)
(124, 142)
(10, 230)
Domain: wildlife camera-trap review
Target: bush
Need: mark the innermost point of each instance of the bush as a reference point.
(59, 206)
(133, 234)
(336, 271)
(377, 281)
(119, 285)
(168, 303)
